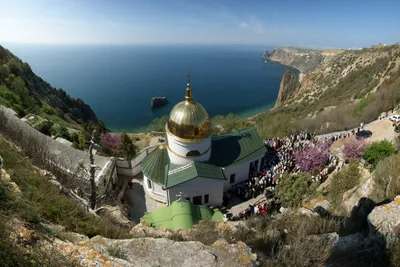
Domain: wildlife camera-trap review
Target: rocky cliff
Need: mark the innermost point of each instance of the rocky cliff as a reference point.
(18, 76)
(287, 88)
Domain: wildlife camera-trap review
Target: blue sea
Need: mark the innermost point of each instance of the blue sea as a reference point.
(118, 82)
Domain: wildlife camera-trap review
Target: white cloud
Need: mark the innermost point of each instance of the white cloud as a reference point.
(244, 25)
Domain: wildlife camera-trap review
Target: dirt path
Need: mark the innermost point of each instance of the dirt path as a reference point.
(381, 129)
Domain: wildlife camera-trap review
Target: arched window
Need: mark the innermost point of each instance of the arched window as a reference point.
(193, 153)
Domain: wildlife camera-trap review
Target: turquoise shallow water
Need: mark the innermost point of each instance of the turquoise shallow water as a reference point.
(119, 81)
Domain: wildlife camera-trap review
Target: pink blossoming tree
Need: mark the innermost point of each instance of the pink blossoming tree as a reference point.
(110, 141)
(354, 149)
(312, 159)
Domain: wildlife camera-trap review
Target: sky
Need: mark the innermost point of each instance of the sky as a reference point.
(336, 24)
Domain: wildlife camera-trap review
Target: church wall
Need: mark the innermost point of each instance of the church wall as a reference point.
(156, 192)
(200, 187)
(182, 148)
(241, 170)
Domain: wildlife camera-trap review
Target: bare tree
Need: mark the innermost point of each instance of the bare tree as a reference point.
(92, 174)
(91, 200)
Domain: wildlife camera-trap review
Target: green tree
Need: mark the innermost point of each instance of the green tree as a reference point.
(125, 147)
(4, 72)
(101, 128)
(378, 151)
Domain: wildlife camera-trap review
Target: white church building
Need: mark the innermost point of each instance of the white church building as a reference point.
(195, 163)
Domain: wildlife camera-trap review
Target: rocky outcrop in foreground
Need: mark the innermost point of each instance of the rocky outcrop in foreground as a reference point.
(289, 85)
(385, 219)
(140, 252)
(157, 102)
(15, 192)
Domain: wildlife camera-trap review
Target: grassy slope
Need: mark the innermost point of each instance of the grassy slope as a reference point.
(42, 202)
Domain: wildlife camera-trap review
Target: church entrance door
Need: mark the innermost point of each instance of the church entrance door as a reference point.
(197, 200)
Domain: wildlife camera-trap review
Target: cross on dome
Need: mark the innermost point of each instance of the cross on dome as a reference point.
(188, 89)
(180, 195)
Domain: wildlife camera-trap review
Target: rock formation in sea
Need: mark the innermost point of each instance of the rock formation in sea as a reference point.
(265, 55)
(158, 101)
(289, 85)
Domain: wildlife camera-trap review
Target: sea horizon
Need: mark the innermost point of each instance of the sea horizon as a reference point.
(118, 81)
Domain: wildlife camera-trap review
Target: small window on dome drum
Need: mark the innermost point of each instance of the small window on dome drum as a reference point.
(193, 153)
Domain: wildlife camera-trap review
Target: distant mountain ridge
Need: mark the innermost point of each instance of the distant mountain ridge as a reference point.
(70, 108)
(303, 59)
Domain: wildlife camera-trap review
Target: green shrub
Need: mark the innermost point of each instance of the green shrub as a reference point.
(365, 101)
(294, 188)
(343, 181)
(43, 202)
(5, 196)
(378, 150)
(78, 140)
(20, 110)
(387, 177)
(204, 232)
(64, 133)
(44, 127)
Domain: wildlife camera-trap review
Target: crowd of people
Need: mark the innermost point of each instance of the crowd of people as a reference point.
(279, 160)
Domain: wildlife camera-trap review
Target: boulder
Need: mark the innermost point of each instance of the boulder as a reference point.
(157, 102)
(385, 219)
(13, 187)
(342, 244)
(366, 189)
(320, 206)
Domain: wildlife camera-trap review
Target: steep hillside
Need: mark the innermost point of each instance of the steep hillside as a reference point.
(338, 89)
(22, 89)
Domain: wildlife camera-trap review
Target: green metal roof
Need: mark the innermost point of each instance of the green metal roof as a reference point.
(180, 174)
(156, 164)
(236, 147)
(181, 215)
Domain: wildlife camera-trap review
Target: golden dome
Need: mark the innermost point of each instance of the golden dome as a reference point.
(189, 120)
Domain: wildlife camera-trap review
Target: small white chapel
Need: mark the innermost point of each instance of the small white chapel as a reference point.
(194, 163)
